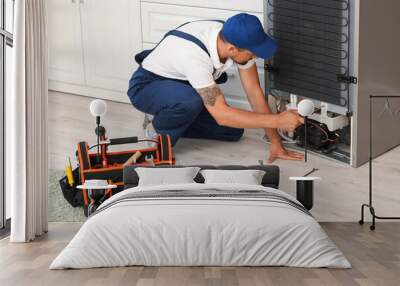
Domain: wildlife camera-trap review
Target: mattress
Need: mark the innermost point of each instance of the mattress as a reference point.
(201, 225)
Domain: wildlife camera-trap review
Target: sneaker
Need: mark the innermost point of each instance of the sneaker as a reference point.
(148, 118)
(149, 130)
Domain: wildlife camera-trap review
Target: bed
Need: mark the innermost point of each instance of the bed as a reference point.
(201, 224)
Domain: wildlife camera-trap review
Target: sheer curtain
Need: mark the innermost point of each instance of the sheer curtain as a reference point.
(27, 155)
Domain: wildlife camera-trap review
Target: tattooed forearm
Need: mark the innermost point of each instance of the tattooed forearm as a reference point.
(209, 94)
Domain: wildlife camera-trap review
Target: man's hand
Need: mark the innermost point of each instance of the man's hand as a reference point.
(277, 151)
(289, 120)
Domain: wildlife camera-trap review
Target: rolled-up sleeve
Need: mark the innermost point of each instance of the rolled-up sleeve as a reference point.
(247, 65)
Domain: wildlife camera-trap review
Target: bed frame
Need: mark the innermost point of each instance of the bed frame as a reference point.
(270, 179)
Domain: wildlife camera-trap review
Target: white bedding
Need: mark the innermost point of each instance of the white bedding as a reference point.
(219, 231)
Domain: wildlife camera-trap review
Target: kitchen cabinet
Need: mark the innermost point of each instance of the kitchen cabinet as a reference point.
(91, 46)
(93, 42)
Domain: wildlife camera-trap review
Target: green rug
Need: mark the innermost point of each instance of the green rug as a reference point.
(59, 210)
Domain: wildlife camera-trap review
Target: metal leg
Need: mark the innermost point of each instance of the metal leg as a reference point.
(96, 198)
(91, 203)
(361, 221)
(372, 210)
(374, 216)
(305, 139)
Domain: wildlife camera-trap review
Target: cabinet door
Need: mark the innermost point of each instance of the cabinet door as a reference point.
(157, 19)
(237, 5)
(233, 89)
(111, 36)
(65, 42)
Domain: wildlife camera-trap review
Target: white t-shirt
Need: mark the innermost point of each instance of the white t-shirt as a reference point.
(181, 59)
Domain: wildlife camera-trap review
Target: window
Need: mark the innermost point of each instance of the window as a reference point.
(6, 43)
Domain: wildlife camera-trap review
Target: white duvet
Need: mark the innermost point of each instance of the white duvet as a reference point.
(204, 231)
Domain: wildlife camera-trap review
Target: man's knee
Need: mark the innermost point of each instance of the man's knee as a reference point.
(235, 134)
(179, 115)
(228, 134)
(194, 106)
(190, 108)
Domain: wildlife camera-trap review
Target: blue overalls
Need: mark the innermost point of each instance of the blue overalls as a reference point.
(177, 108)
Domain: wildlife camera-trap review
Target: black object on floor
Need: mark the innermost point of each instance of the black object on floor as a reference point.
(305, 189)
(73, 196)
(305, 193)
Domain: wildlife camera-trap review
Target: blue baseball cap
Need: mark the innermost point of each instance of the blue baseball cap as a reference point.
(245, 31)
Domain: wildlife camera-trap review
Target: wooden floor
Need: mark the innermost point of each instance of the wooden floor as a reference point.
(338, 196)
(375, 257)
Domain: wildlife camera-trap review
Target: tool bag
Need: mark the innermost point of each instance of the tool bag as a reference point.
(88, 168)
(73, 195)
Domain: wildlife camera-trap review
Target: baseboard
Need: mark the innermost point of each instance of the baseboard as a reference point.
(89, 91)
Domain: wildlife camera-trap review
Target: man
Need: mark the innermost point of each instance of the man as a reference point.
(177, 83)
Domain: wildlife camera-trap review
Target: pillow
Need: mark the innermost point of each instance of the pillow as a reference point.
(165, 176)
(247, 177)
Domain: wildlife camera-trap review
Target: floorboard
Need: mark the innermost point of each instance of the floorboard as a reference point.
(375, 257)
(338, 196)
